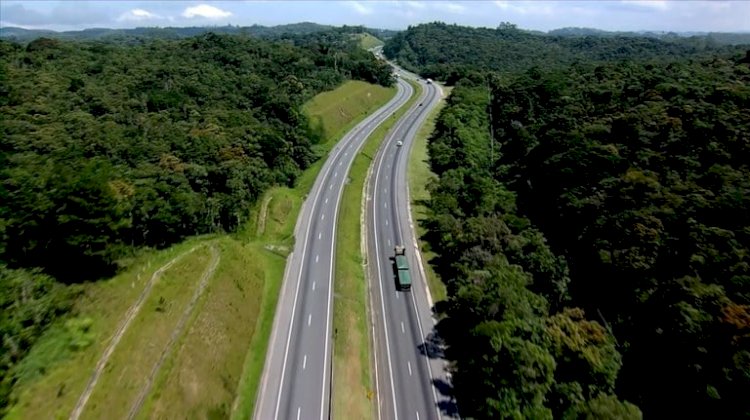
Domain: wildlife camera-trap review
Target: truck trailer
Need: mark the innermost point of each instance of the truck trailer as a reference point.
(402, 268)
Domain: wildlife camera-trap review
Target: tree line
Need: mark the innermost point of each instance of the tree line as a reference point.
(637, 174)
(448, 52)
(591, 224)
(519, 348)
(106, 148)
(142, 33)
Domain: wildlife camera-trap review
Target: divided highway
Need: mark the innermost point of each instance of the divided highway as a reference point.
(297, 372)
(410, 372)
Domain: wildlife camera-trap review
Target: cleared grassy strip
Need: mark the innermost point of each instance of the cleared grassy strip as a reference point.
(128, 370)
(368, 41)
(65, 357)
(420, 175)
(353, 392)
(338, 112)
(201, 379)
(60, 366)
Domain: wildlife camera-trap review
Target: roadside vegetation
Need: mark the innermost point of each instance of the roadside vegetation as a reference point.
(420, 177)
(590, 223)
(368, 41)
(353, 386)
(116, 164)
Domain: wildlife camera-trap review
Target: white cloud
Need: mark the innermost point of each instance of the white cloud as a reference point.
(508, 6)
(525, 7)
(205, 11)
(360, 8)
(137, 15)
(450, 7)
(651, 4)
(503, 4)
(415, 4)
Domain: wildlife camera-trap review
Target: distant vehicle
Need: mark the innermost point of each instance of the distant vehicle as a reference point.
(429, 81)
(399, 143)
(420, 104)
(402, 268)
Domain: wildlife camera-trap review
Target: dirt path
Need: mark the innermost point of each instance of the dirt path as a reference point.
(177, 332)
(129, 316)
(262, 216)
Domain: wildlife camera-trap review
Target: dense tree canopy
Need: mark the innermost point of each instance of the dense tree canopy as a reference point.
(133, 34)
(519, 349)
(106, 147)
(636, 173)
(448, 52)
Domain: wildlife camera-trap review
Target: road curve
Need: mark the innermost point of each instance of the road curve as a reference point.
(296, 377)
(410, 371)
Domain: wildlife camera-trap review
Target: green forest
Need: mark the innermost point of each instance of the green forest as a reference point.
(118, 35)
(591, 222)
(106, 148)
(449, 52)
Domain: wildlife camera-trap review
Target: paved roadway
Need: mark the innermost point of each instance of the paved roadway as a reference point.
(410, 373)
(296, 375)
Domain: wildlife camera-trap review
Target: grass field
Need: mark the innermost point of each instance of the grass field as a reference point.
(368, 41)
(213, 368)
(420, 176)
(353, 391)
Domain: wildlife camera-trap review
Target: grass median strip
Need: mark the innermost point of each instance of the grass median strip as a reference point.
(419, 176)
(353, 389)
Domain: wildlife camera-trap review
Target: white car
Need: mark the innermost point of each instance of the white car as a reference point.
(399, 143)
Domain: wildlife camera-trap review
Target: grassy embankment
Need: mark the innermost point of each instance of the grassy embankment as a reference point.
(368, 41)
(353, 393)
(420, 175)
(220, 352)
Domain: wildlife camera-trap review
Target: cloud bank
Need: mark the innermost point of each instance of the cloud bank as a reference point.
(205, 11)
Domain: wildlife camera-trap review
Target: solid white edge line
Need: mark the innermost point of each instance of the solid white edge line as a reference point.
(380, 283)
(338, 151)
(330, 276)
(419, 324)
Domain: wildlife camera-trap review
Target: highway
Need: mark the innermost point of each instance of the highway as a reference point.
(410, 374)
(297, 373)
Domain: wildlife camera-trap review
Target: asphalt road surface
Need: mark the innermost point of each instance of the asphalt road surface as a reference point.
(410, 372)
(297, 372)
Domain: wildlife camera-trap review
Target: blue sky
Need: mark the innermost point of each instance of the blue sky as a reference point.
(658, 15)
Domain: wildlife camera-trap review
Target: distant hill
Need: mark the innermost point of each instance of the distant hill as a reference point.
(302, 28)
(446, 52)
(721, 38)
(575, 31)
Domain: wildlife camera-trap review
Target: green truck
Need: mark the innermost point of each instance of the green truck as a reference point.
(402, 268)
